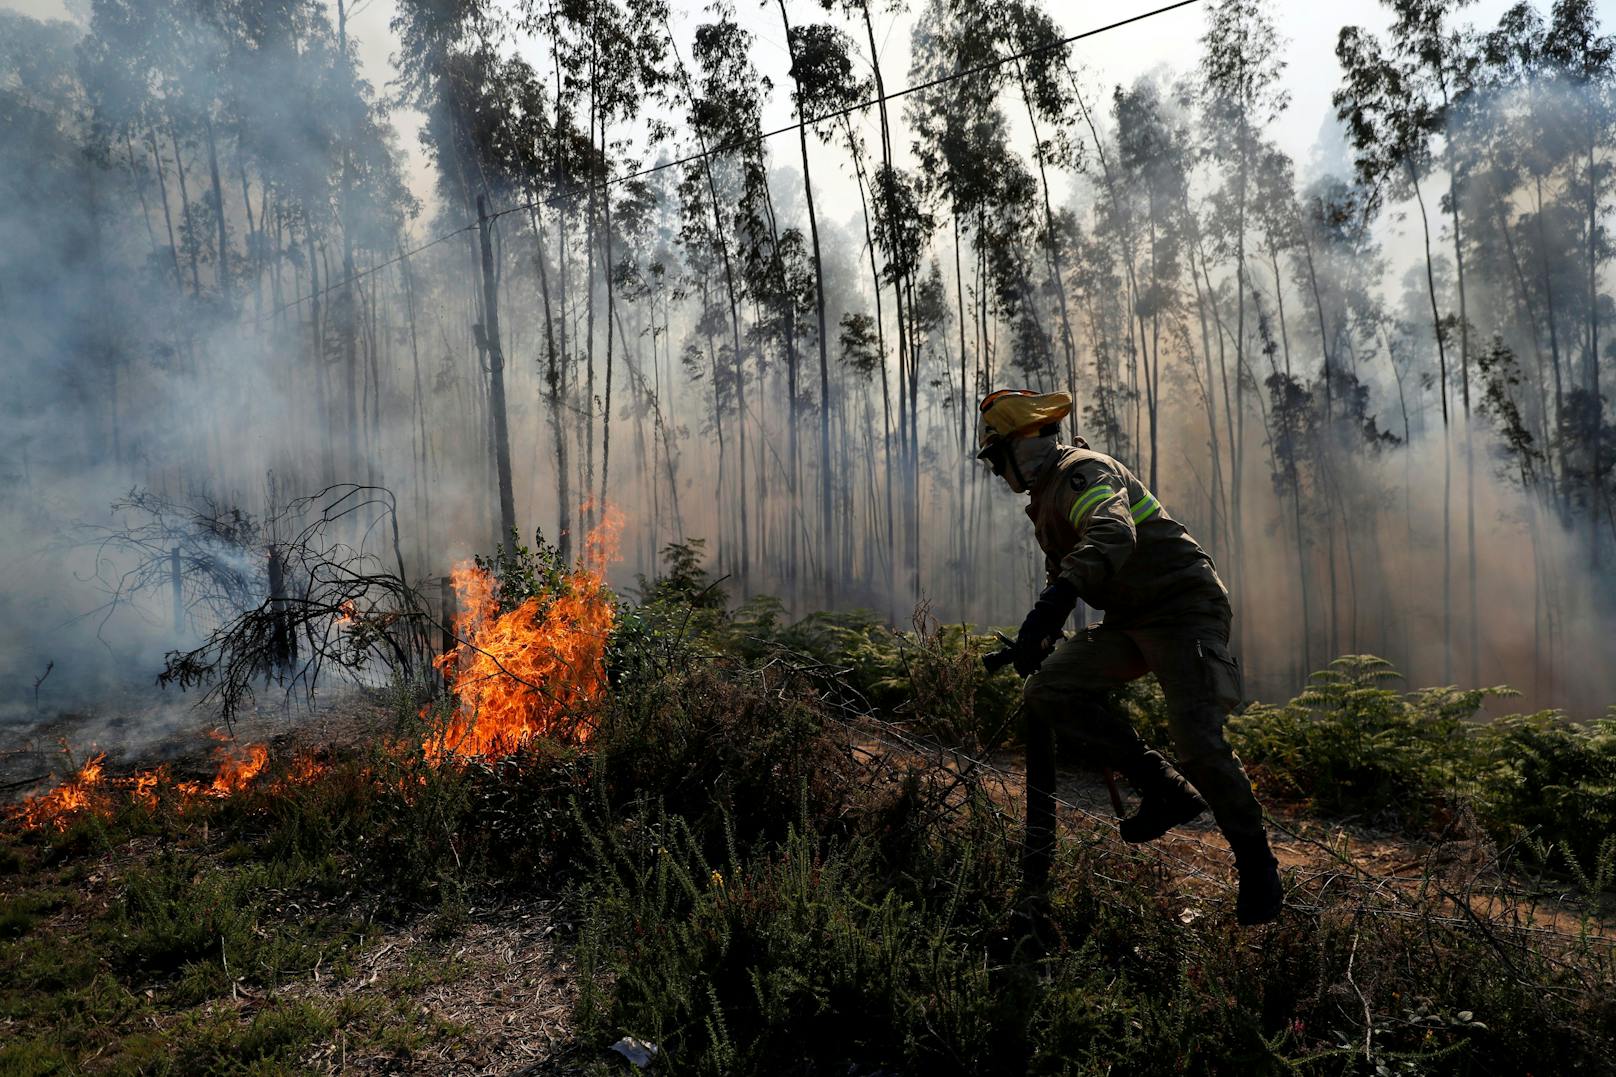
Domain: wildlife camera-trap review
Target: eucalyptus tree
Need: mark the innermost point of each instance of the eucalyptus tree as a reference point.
(606, 57)
(1391, 115)
(856, 152)
(1151, 155)
(1110, 300)
(624, 72)
(824, 84)
(1277, 217)
(780, 281)
(1342, 265)
(540, 172)
(277, 81)
(1030, 33)
(169, 62)
(1526, 146)
(1586, 61)
(450, 70)
(1241, 65)
(962, 139)
(724, 102)
(61, 218)
(1101, 289)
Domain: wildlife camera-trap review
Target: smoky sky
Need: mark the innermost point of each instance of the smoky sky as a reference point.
(134, 361)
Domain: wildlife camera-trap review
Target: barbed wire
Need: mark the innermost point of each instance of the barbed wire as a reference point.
(861, 719)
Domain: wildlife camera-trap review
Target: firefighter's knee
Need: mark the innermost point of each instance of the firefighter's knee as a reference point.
(1198, 734)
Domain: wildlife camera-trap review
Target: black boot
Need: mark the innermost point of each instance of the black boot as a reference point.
(1261, 894)
(1167, 800)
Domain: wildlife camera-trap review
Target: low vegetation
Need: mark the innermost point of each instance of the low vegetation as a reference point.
(753, 885)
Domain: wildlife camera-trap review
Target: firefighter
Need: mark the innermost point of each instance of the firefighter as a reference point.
(1108, 541)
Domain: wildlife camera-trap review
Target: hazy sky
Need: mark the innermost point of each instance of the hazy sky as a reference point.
(1170, 41)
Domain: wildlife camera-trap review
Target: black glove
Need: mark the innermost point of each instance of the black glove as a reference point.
(1043, 624)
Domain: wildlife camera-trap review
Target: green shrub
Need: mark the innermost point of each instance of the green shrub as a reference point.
(784, 957)
(207, 923)
(278, 1039)
(1554, 781)
(715, 742)
(1350, 745)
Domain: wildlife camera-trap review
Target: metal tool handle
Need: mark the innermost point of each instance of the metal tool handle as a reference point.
(997, 660)
(1006, 654)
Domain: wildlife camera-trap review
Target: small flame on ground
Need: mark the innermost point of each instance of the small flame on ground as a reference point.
(82, 792)
(90, 791)
(536, 670)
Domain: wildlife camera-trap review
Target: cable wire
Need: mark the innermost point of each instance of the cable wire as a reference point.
(733, 144)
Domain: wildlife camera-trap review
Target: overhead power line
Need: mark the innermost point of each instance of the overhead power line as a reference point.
(735, 144)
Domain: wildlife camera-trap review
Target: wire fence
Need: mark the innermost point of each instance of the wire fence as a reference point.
(1479, 899)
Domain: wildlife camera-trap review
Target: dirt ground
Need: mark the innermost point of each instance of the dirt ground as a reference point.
(1461, 870)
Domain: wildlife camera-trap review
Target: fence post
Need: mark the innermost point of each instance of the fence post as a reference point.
(1040, 833)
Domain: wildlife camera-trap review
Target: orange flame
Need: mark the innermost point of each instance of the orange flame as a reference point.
(58, 807)
(91, 792)
(536, 670)
(238, 769)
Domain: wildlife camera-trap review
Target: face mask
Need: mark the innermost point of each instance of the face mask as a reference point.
(1028, 458)
(1021, 461)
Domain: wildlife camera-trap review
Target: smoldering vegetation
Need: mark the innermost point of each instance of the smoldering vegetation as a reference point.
(1375, 394)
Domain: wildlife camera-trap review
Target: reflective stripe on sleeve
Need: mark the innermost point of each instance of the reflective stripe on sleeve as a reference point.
(1145, 508)
(1086, 504)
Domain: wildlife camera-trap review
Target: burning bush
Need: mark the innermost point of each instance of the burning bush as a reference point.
(530, 660)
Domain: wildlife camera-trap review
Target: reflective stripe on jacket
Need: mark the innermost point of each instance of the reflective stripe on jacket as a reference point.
(1102, 530)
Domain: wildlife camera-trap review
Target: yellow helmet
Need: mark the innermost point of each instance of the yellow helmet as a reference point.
(1005, 414)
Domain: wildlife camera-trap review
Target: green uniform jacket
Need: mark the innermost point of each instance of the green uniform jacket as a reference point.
(1105, 533)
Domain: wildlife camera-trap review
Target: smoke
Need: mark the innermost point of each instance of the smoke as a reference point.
(241, 361)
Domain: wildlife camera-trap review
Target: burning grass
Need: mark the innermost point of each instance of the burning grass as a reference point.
(91, 792)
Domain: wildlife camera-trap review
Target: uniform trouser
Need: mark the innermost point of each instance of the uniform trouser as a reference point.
(1201, 681)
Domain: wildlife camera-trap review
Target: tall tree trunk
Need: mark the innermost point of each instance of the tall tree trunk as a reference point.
(884, 206)
(734, 314)
(185, 211)
(1447, 453)
(881, 347)
(317, 342)
(168, 215)
(587, 412)
(218, 212)
(1595, 490)
(553, 394)
(825, 504)
(496, 370)
(255, 246)
(419, 432)
(1464, 391)
(611, 314)
(1554, 348)
(1052, 244)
